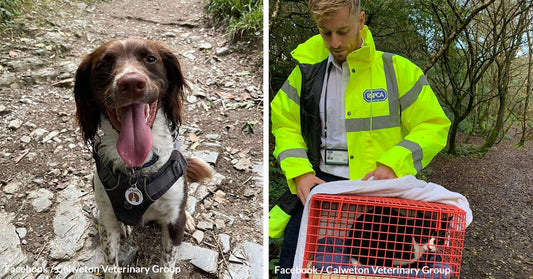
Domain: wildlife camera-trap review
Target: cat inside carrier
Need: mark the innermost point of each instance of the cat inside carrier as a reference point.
(374, 237)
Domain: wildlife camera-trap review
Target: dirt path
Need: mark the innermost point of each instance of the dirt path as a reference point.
(46, 170)
(498, 243)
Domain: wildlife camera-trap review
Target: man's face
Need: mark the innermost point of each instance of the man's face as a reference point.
(340, 31)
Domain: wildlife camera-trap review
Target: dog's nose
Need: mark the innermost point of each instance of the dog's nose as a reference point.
(132, 85)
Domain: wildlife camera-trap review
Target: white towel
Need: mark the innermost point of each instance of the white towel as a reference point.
(407, 187)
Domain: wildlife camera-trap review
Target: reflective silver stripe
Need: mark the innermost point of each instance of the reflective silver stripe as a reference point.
(291, 92)
(363, 124)
(410, 97)
(294, 153)
(387, 121)
(416, 150)
(392, 85)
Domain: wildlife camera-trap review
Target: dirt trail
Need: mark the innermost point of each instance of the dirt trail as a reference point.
(46, 169)
(499, 241)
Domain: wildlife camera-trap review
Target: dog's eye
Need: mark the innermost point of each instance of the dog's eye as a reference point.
(103, 64)
(151, 59)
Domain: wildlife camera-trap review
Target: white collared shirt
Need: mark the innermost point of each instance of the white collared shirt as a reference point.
(334, 87)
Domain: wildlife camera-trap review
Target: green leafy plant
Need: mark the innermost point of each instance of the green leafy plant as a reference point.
(9, 9)
(277, 183)
(242, 19)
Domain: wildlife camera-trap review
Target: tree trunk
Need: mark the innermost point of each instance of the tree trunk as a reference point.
(528, 92)
(498, 127)
(452, 141)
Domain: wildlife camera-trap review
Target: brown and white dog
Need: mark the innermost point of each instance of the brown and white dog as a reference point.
(132, 90)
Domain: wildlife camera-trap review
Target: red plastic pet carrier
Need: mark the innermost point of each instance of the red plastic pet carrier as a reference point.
(373, 237)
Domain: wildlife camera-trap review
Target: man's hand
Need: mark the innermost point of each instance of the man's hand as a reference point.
(304, 183)
(381, 172)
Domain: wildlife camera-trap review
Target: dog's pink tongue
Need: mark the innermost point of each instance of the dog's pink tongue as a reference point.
(135, 139)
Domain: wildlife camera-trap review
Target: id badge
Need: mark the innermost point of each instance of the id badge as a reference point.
(336, 157)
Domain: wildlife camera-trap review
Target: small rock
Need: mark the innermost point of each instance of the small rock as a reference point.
(21, 232)
(207, 204)
(219, 196)
(189, 54)
(25, 139)
(11, 252)
(220, 224)
(229, 84)
(212, 136)
(222, 51)
(217, 179)
(168, 35)
(44, 75)
(207, 156)
(254, 255)
(41, 199)
(204, 225)
(191, 204)
(237, 271)
(70, 229)
(198, 235)
(39, 133)
(224, 240)
(230, 219)
(50, 136)
(3, 110)
(15, 124)
(248, 193)
(192, 187)
(203, 258)
(210, 81)
(202, 192)
(250, 89)
(243, 164)
(205, 46)
(7, 79)
(258, 168)
(233, 259)
(64, 82)
(197, 91)
(38, 181)
(12, 187)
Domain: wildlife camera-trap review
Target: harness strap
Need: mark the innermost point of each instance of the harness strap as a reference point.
(152, 187)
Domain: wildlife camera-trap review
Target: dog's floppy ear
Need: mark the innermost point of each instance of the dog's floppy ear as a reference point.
(87, 110)
(173, 98)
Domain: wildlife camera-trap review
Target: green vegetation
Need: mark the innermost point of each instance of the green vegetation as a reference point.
(277, 181)
(9, 9)
(242, 19)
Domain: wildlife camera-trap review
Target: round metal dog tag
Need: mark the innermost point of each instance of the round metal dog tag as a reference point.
(134, 196)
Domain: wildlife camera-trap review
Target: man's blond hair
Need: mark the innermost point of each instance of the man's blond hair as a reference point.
(321, 9)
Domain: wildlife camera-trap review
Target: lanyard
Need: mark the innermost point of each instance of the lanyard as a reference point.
(326, 101)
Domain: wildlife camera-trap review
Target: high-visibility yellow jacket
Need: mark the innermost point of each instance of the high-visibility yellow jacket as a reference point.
(392, 116)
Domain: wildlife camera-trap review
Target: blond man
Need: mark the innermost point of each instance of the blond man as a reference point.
(348, 111)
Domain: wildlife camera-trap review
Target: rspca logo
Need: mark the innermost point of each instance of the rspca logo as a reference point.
(376, 95)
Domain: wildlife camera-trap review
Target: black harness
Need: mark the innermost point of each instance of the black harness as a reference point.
(132, 194)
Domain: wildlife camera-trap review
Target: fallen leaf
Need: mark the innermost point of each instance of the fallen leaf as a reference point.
(225, 95)
(193, 137)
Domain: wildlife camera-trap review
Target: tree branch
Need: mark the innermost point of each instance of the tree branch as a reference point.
(454, 34)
